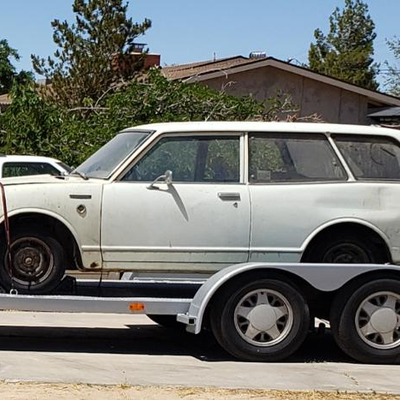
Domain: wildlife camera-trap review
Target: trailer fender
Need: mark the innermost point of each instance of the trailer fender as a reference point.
(324, 277)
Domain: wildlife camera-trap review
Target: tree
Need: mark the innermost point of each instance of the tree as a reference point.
(346, 51)
(35, 124)
(393, 75)
(82, 68)
(8, 73)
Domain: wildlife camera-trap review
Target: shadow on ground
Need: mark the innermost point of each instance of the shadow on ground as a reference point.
(149, 340)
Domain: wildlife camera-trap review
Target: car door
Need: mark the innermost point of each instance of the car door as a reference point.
(297, 184)
(199, 223)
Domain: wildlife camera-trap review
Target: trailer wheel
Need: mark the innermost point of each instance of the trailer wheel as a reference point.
(367, 325)
(37, 262)
(265, 320)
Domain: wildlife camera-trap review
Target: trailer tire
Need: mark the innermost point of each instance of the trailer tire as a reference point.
(366, 323)
(263, 320)
(38, 263)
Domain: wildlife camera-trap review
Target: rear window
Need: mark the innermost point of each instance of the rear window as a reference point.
(371, 157)
(27, 168)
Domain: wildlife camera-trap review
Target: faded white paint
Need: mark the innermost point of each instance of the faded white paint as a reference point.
(186, 227)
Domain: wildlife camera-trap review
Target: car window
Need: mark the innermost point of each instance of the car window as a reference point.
(191, 159)
(104, 161)
(297, 158)
(371, 157)
(28, 168)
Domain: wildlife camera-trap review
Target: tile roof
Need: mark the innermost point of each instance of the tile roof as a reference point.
(5, 99)
(183, 71)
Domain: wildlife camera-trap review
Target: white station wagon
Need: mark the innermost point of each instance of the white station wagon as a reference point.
(192, 198)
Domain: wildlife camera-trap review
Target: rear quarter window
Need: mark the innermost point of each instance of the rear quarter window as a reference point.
(370, 157)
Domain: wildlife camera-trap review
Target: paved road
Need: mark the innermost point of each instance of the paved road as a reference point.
(112, 349)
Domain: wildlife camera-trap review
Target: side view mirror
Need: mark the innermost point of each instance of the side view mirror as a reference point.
(166, 178)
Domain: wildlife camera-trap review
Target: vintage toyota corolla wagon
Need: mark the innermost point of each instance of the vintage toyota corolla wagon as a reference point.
(192, 198)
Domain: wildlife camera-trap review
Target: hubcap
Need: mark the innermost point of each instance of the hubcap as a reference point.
(32, 261)
(378, 320)
(263, 317)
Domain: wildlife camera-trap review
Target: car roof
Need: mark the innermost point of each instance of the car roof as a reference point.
(289, 127)
(25, 158)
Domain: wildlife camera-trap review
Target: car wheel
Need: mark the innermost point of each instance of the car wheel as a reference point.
(37, 262)
(346, 249)
(366, 323)
(265, 320)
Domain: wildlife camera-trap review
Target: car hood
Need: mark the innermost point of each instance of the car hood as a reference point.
(43, 179)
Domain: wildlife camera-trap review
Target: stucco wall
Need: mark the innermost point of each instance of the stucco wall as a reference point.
(311, 97)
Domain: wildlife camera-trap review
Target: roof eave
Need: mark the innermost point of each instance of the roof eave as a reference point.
(272, 62)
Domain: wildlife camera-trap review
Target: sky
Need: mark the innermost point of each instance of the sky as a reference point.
(188, 30)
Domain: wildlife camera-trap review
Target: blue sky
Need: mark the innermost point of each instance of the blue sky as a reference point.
(188, 30)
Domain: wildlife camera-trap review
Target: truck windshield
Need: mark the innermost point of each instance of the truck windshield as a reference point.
(102, 163)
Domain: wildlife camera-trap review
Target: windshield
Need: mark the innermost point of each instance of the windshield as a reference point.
(102, 163)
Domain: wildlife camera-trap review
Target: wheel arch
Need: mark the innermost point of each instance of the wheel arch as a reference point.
(61, 228)
(208, 293)
(353, 225)
(317, 283)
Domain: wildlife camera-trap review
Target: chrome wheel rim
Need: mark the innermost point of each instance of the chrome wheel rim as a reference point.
(263, 317)
(378, 320)
(32, 261)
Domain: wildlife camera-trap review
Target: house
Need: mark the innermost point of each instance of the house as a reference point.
(5, 100)
(263, 77)
(388, 116)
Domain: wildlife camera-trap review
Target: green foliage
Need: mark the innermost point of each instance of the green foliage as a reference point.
(8, 73)
(346, 51)
(33, 124)
(393, 78)
(82, 67)
(90, 100)
(28, 122)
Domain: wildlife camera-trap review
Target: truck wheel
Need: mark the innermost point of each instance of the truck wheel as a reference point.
(265, 320)
(367, 325)
(37, 262)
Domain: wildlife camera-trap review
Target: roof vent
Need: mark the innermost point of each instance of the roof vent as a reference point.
(258, 54)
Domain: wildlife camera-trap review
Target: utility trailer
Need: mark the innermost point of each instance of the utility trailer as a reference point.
(256, 311)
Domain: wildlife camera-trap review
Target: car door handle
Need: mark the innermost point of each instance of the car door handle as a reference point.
(229, 196)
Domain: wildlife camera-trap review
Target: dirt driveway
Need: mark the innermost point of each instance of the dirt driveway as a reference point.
(40, 391)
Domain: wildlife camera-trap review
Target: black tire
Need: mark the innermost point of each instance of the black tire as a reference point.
(37, 259)
(346, 249)
(349, 322)
(167, 321)
(229, 327)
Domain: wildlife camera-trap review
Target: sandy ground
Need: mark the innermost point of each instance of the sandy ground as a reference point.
(40, 391)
